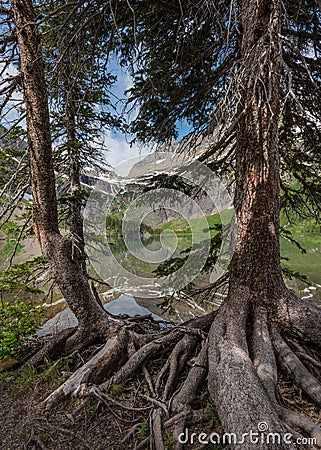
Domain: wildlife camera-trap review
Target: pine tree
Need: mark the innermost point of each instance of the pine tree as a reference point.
(55, 247)
(247, 74)
(251, 68)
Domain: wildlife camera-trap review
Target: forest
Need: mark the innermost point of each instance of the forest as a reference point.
(160, 247)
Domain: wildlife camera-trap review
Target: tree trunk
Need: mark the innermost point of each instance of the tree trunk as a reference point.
(242, 400)
(56, 248)
(75, 217)
(257, 256)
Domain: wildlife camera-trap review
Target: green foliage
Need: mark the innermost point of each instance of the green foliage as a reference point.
(289, 236)
(169, 440)
(12, 152)
(182, 226)
(292, 274)
(53, 371)
(18, 320)
(185, 62)
(142, 431)
(79, 88)
(114, 223)
(214, 415)
(78, 198)
(48, 374)
(216, 242)
(117, 388)
(15, 232)
(300, 249)
(217, 426)
(14, 173)
(10, 248)
(166, 87)
(26, 378)
(170, 266)
(12, 232)
(11, 229)
(173, 264)
(18, 323)
(4, 375)
(19, 276)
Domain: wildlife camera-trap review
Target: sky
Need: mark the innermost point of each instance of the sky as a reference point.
(118, 146)
(119, 149)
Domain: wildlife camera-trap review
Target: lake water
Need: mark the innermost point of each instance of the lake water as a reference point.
(124, 304)
(308, 264)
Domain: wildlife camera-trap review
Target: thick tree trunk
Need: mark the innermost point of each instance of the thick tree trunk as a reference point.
(257, 256)
(56, 248)
(241, 398)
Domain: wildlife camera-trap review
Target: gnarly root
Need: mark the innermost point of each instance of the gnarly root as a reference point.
(241, 353)
(50, 349)
(69, 341)
(247, 359)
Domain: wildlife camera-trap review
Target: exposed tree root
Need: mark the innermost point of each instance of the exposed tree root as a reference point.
(237, 352)
(293, 366)
(312, 361)
(193, 382)
(50, 349)
(297, 421)
(261, 353)
(240, 398)
(73, 340)
(99, 366)
(299, 318)
(157, 429)
(34, 442)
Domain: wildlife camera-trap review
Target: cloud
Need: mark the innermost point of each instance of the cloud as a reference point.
(120, 155)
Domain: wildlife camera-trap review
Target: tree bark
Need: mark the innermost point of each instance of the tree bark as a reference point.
(242, 400)
(257, 255)
(55, 247)
(75, 217)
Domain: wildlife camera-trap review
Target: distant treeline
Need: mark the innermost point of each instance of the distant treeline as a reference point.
(114, 224)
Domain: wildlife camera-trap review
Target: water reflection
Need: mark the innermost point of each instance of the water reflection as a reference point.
(124, 304)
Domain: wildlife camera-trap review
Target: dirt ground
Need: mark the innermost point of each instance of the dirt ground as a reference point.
(100, 424)
(24, 423)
